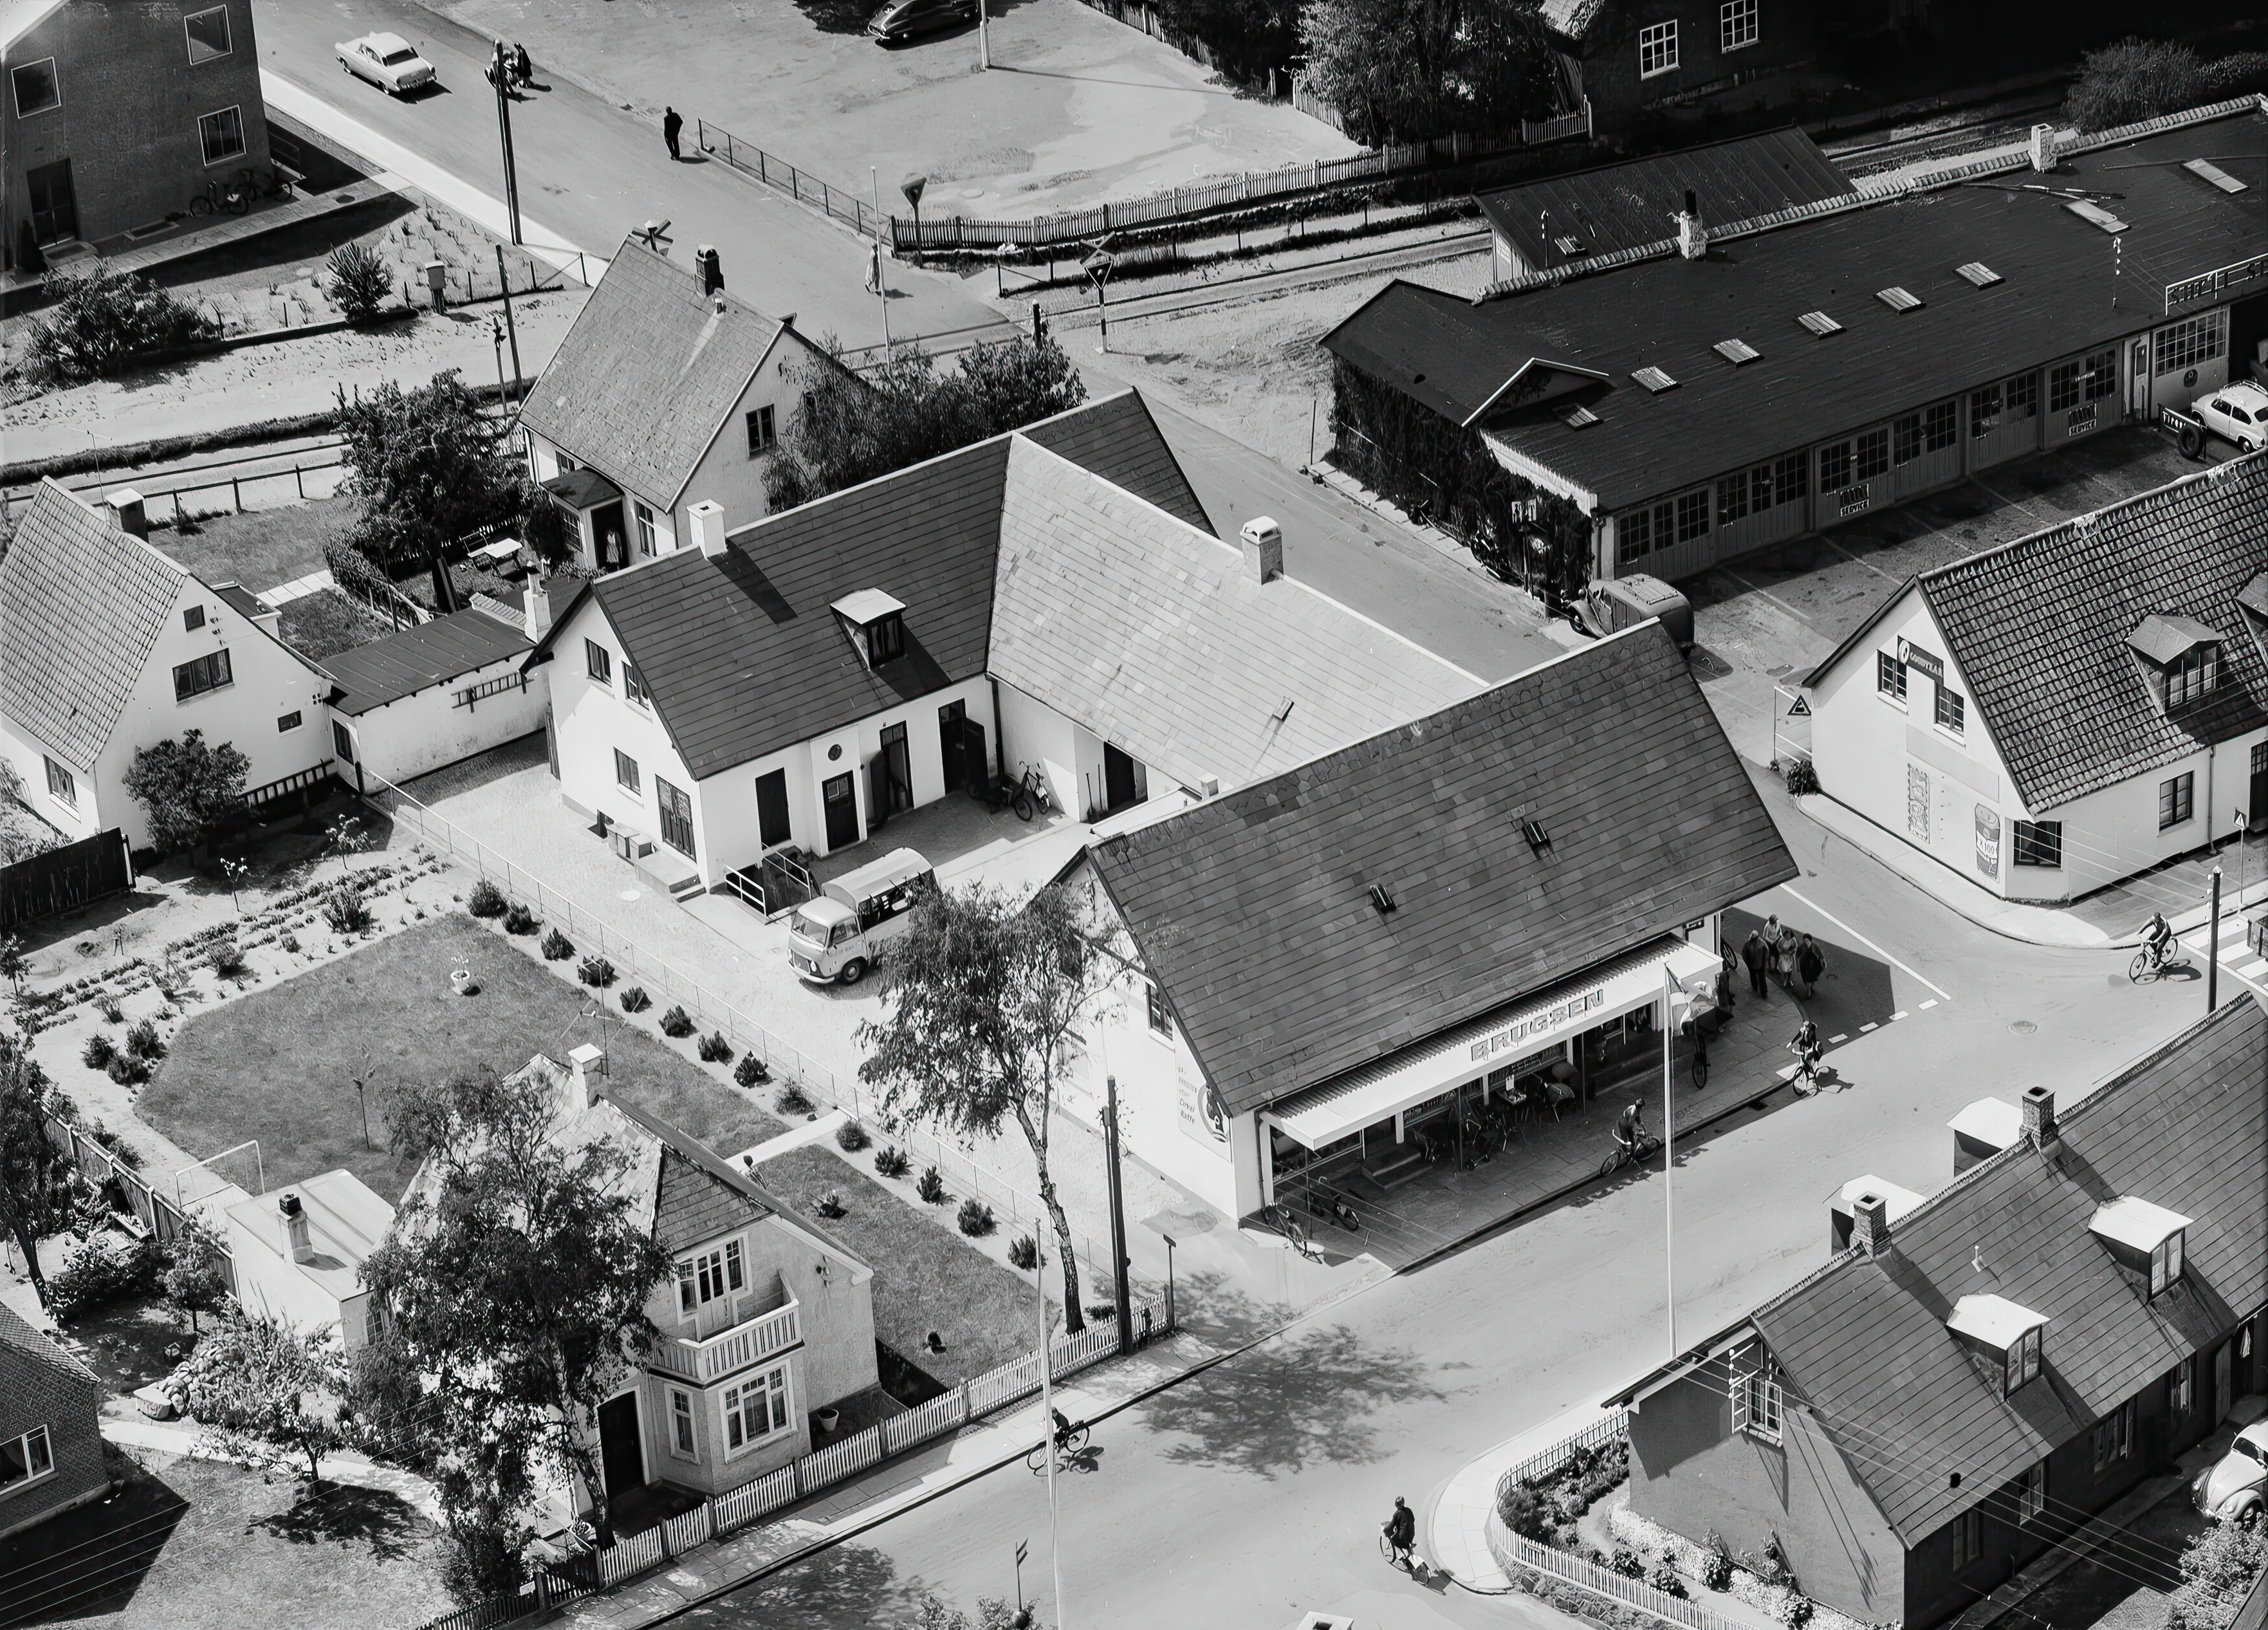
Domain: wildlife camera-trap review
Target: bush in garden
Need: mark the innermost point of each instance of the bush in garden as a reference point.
(1665, 1580)
(1800, 777)
(714, 1049)
(486, 899)
(144, 1042)
(128, 1071)
(360, 281)
(289, 942)
(1792, 1608)
(931, 1186)
(98, 1051)
(975, 1218)
(344, 911)
(1023, 1253)
(596, 971)
(1717, 1570)
(98, 1270)
(226, 958)
(791, 1100)
(635, 1000)
(556, 947)
(1526, 1513)
(520, 919)
(111, 1013)
(1627, 1562)
(675, 1023)
(850, 1136)
(753, 1072)
(101, 320)
(891, 1162)
(830, 1204)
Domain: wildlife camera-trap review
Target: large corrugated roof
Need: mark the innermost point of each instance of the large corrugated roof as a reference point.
(1253, 910)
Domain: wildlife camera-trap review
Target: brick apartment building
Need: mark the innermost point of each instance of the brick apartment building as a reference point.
(116, 114)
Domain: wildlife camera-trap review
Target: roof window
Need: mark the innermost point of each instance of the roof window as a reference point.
(1655, 379)
(1576, 417)
(2095, 215)
(1977, 272)
(875, 622)
(1898, 299)
(2146, 1239)
(2209, 171)
(1820, 323)
(2182, 657)
(1736, 351)
(1570, 247)
(2003, 1332)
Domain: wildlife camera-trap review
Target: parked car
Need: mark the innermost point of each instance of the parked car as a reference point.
(902, 20)
(2240, 412)
(2235, 1484)
(837, 936)
(1610, 604)
(387, 61)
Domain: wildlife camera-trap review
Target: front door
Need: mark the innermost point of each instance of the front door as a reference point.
(621, 1457)
(2221, 1388)
(2255, 808)
(606, 544)
(893, 771)
(55, 211)
(951, 721)
(840, 794)
(1117, 777)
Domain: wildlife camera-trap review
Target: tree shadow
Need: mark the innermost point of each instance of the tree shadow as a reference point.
(344, 1514)
(845, 1584)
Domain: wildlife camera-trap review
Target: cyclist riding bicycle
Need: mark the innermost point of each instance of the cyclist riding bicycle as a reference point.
(1631, 1129)
(1401, 1534)
(1062, 1427)
(2157, 936)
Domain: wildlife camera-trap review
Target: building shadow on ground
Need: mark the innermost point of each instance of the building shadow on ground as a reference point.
(95, 1558)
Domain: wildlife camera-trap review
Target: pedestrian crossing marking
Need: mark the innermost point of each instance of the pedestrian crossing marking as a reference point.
(1899, 1015)
(1927, 1006)
(1863, 1029)
(1838, 1040)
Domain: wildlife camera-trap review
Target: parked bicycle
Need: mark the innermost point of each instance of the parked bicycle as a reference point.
(232, 198)
(1295, 1233)
(1482, 1139)
(1037, 785)
(1332, 1206)
(263, 182)
(1644, 1149)
(1700, 1062)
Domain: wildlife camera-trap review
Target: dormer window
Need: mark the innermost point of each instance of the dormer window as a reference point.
(2165, 1264)
(2190, 678)
(2004, 1334)
(2022, 1363)
(886, 638)
(875, 624)
(2180, 656)
(2148, 1241)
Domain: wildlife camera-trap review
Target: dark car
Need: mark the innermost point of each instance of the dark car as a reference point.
(902, 20)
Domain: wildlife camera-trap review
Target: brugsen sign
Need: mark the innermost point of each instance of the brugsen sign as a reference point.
(1540, 1024)
(1920, 661)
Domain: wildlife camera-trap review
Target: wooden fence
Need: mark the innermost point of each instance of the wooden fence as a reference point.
(156, 1212)
(63, 879)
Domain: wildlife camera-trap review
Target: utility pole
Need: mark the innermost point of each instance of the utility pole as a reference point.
(983, 35)
(881, 288)
(1669, 994)
(502, 74)
(1097, 266)
(1118, 1264)
(1048, 1428)
(511, 329)
(2213, 950)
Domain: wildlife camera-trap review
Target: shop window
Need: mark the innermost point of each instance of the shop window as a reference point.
(1791, 475)
(2177, 799)
(1890, 676)
(2165, 1262)
(2023, 398)
(2022, 1361)
(599, 663)
(1835, 466)
(204, 673)
(2191, 675)
(1733, 498)
(626, 770)
(1940, 426)
(2102, 375)
(2114, 1436)
(208, 32)
(2181, 346)
(1952, 710)
(1693, 515)
(1657, 48)
(1736, 24)
(2062, 386)
(1873, 454)
(222, 135)
(1985, 411)
(2039, 843)
(35, 87)
(1968, 1539)
(61, 783)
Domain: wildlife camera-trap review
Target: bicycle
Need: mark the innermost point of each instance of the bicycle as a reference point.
(1645, 1148)
(1067, 1445)
(256, 183)
(216, 198)
(1700, 1067)
(1481, 1139)
(1037, 785)
(1295, 1232)
(2155, 962)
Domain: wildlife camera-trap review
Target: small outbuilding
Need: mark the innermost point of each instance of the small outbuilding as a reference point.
(433, 694)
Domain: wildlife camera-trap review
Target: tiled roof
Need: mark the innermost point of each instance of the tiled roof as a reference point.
(1119, 440)
(1253, 910)
(1620, 206)
(2053, 301)
(641, 383)
(1572, 18)
(22, 1344)
(1863, 1342)
(415, 659)
(81, 604)
(1156, 636)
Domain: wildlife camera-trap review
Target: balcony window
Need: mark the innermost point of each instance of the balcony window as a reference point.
(754, 1410)
(702, 1278)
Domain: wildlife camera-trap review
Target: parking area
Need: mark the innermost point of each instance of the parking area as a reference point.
(1077, 108)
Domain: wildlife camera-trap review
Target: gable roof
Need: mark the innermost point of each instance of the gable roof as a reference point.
(81, 605)
(641, 383)
(1621, 206)
(416, 659)
(742, 653)
(1863, 1341)
(1158, 638)
(2040, 629)
(1252, 909)
(23, 1347)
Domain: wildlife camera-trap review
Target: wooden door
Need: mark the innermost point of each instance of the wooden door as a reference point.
(53, 206)
(2220, 1383)
(622, 1455)
(840, 795)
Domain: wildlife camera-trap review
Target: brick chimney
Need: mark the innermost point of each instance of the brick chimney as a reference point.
(2045, 155)
(128, 510)
(585, 1065)
(707, 520)
(1870, 1224)
(536, 607)
(1263, 542)
(2040, 1119)
(1692, 237)
(299, 1243)
(710, 269)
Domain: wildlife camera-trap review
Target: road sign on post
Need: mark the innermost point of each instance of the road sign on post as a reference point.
(1097, 267)
(913, 187)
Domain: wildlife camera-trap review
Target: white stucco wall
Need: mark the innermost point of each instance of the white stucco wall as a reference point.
(81, 816)
(590, 721)
(422, 732)
(269, 1284)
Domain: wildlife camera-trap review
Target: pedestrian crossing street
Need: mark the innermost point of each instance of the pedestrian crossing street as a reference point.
(2237, 956)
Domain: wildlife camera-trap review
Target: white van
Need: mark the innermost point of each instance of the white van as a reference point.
(837, 936)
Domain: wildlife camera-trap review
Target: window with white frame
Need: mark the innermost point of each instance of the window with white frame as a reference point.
(1889, 676)
(2032, 1494)
(681, 1424)
(626, 770)
(208, 32)
(1160, 1020)
(35, 87)
(634, 683)
(2177, 799)
(1736, 24)
(1757, 1402)
(26, 1459)
(1657, 48)
(2166, 1261)
(201, 674)
(646, 532)
(2022, 1363)
(706, 1276)
(1952, 710)
(2191, 675)
(222, 135)
(61, 783)
(754, 1410)
(2179, 347)
(599, 663)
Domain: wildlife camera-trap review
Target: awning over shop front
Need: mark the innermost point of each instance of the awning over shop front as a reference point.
(1322, 1115)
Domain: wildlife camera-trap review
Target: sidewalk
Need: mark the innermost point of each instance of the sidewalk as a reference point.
(1455, 1530)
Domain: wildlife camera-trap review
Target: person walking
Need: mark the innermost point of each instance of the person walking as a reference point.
(1754, 954)
(672, 122)
(1810, 962)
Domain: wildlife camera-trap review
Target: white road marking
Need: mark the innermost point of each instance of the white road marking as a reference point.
(1835, 1041)
(1863, 1029)
(1927, 1006)
(1898, 1014)
(1943, 994)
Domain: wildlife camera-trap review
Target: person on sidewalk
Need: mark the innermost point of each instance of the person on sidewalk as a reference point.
(1805, 1045)
(1754, 954)
(672, 122)
(1810, 962)
(1724, 984)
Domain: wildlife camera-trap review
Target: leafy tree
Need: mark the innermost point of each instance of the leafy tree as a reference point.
(2132, 80)
(517, 1273)
(189, 790)
(429, 469)
(37, 1196)
(361, 282)
(13, 963)
(1009, 384)
(2217, 1567)
(933, 1612)
(1410, 69)
(1507, 68)
(196, 1277)
(980, 1017)
(1247, 37)
(22, 834)
(264, 1392)
(102, 321)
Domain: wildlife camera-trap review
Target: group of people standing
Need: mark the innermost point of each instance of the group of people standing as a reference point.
(1775, 948)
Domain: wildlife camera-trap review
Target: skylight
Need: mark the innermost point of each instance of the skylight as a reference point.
(2097, 215)
(1977, 272)
(2212, 172)
(1576, 417)
(1569, 245)
(1736, 351)
(1897, 299)
(1655, 379)
(1820, 323)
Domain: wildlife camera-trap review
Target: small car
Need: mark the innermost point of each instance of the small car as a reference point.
(2236, 1484)
(2239, 412)
(1609, 605)
(387, 61)
(902, 20)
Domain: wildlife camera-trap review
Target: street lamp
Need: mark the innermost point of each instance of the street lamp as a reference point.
(1047, 1424)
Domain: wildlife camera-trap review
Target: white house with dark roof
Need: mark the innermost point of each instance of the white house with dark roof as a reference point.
(296, 1254)
(665, 391)
(2049, 716)
(108, 646)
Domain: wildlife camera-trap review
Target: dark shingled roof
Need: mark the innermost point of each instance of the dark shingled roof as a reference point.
(21, 1346)
(2054, 300)
(742, 653)
(2039, 629)
(403, 663)
(1253, 912)
(1620, 206)
(1863, 1342)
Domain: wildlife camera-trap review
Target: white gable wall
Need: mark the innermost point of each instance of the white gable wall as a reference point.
(591, 721)
(727, 473)
(79, 816)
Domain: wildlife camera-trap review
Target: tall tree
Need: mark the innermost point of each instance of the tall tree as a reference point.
(264, 1391)
(196, 1278)
(189, 789)
(517, 1273)
(984, 1010)
(36, 1191)
(429, 469)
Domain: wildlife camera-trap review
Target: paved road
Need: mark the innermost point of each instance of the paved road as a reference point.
(1254, 1490)
(591, 172)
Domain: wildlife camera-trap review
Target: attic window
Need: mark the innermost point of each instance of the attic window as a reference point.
(1383, 899)
(1977, 272)
(1655, 379)
(1576, 417)
(1736, 351)
(2000, 1330)
(1570, 247)
(1538, 840)
(2184, 653)
(1820, 323)
(2023, 1362)
(875, 622)
(2206, 169)
(1898, 299)
(2144, 1237)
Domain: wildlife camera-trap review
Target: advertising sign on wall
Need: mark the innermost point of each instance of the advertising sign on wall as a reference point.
(1988, 840)
(1202, 1117)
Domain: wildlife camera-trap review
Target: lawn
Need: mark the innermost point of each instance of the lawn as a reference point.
(260, 547)
(201, 1544)
(280, 1064)
(925, 1277)
(326, 622)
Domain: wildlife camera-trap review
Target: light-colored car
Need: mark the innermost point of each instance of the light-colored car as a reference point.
(2238, 411)
(2237, 1483)
(387, 61)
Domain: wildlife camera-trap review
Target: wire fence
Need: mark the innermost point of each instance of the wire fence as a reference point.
(842, 203)
(1608, 1429)
(296, 473)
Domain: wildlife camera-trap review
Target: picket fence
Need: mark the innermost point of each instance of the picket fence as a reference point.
(1513, 1552)
(727, 1514)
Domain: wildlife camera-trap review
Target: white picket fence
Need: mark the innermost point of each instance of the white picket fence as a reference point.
(1517, 1550)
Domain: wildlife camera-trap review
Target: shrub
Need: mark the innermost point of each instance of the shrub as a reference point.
(486, 899)
(891, 1162)
(714, 1049)
(930, 1186)
(226, 958)
(360, 281)
(144, 1042)
(830, 1204)
(520, 920)
(124, 1153)
(1627, 1562)
(556, 947)
(791, 1100)
(289, 942)
(480, 1556)
(753, 1072)
(635, 1000)
(1526, 1513)
(344, 911)
(1717, 1570)
(98, 1051)
(1023, 1253)
(595, 971)
(975, 1218)
(675, 1023)
(1792, 1608)
(1664, 1579)
(97, 1272)
(1799, 776)
(850, 1136)
(103, 321)
(128, 1071)
(2132, 80)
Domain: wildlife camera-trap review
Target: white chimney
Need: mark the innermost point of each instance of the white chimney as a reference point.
(584, 1064)
(127, 509)
(299, 1243)
(1692, 237)
(535, 605)
(1209, 787)
(2044, 147)
(707, 520)
(1263, 542)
